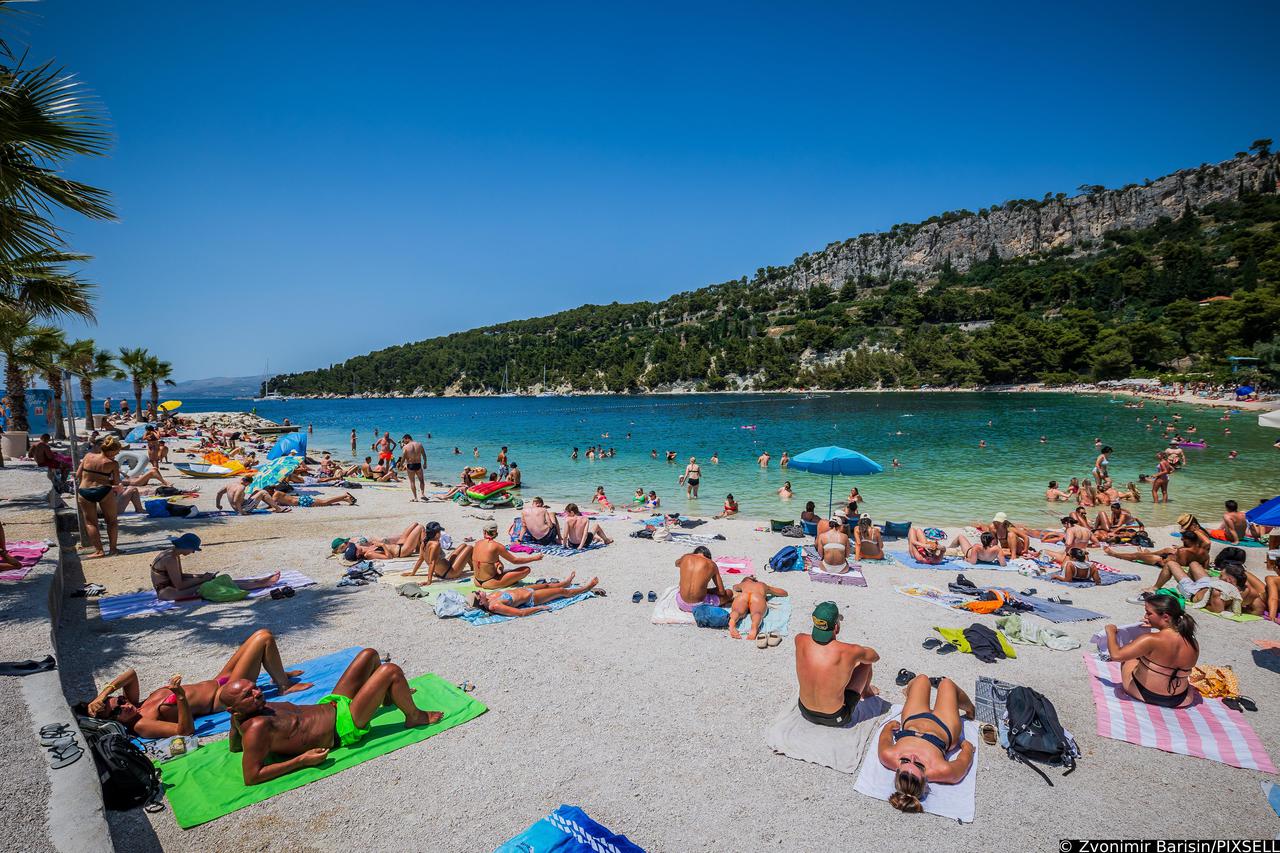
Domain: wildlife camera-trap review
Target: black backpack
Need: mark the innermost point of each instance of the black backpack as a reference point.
(1035, 733)
(128, 777)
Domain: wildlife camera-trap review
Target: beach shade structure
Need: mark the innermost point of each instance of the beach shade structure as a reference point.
(1266, 513)
(834, 462)
(170, 405)
(1270, 419)
(136, 433)
(1244, 390)
(290, 442)
(569, 829)
(274, 472)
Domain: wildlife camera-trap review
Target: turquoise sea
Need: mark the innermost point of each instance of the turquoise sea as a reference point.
(944, 476)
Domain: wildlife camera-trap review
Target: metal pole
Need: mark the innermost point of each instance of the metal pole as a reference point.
(75, 459)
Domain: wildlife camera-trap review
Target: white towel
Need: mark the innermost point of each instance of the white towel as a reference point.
(956, 801)
(840, 749)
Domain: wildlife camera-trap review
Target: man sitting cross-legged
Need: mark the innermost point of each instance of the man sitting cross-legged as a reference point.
(833, 675)
(302, 735)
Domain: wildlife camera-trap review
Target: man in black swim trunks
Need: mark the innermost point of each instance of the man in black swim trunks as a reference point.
(833, 675)
(414, 456)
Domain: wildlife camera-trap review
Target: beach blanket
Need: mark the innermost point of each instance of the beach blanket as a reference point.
(562, 551)
(695, 539)
(568, 829)
(207, 784)
(776, 619)
(955, 564)
(818, 572)
(1206, 729)
(27, 553)
(841, 749)
(222, 513)
(957, 801)
(932, 595)
(1106, 575)
(322, 672)
(1226, 614)
(480, 617)
(736, 565)
(1051, 610)
(1271, 793)
(113, 607)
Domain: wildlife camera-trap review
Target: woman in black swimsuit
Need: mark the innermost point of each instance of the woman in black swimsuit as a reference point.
(1154, 668)
(97, 474)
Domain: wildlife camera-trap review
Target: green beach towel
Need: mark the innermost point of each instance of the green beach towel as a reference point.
(207, 784)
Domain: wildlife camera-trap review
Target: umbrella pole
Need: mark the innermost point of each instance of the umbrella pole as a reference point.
(831, 495)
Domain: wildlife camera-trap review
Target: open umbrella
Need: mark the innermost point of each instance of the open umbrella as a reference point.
(274, 471)
(136, 433)
(1266, 514)
(1244, 390)
(170, 405)
(834, 461)
(290, 442)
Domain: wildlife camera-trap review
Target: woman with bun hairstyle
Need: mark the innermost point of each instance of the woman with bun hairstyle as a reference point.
(926, 746)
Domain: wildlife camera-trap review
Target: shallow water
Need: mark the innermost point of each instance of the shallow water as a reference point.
(944, 476)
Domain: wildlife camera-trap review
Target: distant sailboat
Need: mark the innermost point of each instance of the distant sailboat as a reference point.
(268, 395)
(505, 392)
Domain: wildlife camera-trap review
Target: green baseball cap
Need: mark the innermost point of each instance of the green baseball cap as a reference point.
(333, 546)
(825, 618)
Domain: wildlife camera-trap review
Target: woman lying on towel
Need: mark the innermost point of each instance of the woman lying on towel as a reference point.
(916, 746)
(986, 550)
(406, 544)
(527, 600)
(440, 567)
(171, 710)
(1155, 666)
(922, 549)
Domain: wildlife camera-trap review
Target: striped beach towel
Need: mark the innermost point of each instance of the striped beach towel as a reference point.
(114, 607)
(1206, 729)
(736, 565)
(28, 553)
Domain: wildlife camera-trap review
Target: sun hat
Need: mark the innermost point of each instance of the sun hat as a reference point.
(999, 518)
(1185, 519)
(490, 528)
(187, 542)
(825, 618)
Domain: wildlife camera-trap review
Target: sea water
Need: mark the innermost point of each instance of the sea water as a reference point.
(944, 477)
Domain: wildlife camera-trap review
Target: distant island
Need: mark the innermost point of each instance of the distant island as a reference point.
(1165, 278)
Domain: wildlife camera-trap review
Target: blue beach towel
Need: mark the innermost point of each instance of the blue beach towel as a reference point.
(568, 829)
(1107, 578)
(322, 672)
(950, 564)
(777, 618)
(113, 607)
(479, 617)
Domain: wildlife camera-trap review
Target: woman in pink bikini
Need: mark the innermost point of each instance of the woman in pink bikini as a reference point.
(171, 710)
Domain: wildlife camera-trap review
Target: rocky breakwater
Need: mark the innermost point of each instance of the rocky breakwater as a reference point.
(229, 421)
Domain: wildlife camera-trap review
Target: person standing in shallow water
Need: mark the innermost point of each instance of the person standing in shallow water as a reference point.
(692, 476)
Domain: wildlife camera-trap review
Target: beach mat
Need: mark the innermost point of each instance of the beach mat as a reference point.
(1051, 610)
(480, 617)
(1207, 729)
(932, 595)
(322, 672)
(777, 618)
(958, 801)
(818, 573)
(736, 565)
(841, 749)
(1106, 575)
(953, 564)
(208, 784)
(562, 551)
(27, 553)
(112, 607)
(569, 829)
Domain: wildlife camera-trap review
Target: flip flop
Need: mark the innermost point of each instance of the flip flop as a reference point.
(904, 677)
(653, 596)
(775, 640)
(58, 741)
(601, 592)
(27, 667)
(946, 648)
(931, 643)
(989, 736)
(60, 759)
(1247, 703)
(1057, 599)
(1028, 591)
(54, 729)
(637, 595)
(1233, 702)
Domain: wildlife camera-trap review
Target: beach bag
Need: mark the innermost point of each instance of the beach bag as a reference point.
(222, 588)
(181, 510)
(166, 491)
(661, 534)
(786, 560)
(710, 616)
(1035, 735)
(450, 603)
(157, 508)
(127, 776)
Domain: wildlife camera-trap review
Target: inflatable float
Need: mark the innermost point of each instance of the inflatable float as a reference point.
(1192, 444)
(204, 470)
(132, 462)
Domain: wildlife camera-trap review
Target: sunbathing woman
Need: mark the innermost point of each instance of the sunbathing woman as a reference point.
(359, 548)
(487, 557)
(922, 549)
(1077, 568)
(97, 475)
(916, 746)
(730, 508)
(833, 547)
(527, 600)
(867, 544)
(1154, 667)
(985, 550)
(170, 710)
(439, 566)
(1013, 539)
(173, 584)
(277, 498)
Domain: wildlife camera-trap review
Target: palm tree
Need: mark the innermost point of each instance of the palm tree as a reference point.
(89, 363)
(134, 362)
(46, 118)
(50, 345)
(157, 372)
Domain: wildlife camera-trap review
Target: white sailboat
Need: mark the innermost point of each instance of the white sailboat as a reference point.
(268, 394)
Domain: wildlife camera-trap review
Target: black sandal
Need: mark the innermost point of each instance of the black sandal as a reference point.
(904, 677)
(931, 643)
(636, 596)
(947, 648)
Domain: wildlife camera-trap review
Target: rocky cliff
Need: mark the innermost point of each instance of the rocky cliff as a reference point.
(1024, 226)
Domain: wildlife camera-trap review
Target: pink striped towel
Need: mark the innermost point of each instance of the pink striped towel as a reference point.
(736, 565)
(1206, 729)
(28, 554)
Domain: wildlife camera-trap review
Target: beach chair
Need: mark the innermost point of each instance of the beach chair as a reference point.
(810, 528)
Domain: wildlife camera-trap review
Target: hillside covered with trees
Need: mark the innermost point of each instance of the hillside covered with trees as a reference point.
(1133, 302)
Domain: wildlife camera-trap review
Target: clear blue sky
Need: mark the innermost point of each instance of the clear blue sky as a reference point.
(329, 178)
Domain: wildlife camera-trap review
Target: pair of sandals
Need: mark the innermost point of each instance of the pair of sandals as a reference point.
(89, 590)
(1240, 703)
(638, 595)
(769, 640)
(906, 676)
(60, 741)
(943, 648)
(285, 591)
(28, 667)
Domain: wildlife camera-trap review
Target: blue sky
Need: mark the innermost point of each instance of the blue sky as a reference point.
(302, 182)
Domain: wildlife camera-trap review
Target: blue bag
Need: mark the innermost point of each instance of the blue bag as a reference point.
(787, 560)
(710, 616)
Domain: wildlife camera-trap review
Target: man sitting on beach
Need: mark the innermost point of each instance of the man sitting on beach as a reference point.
(1234, 525)
(1194, 547)
(540, 524)
(751, 596)
(46, 457)
(302, 735)
(487, 560)
(235, 493)
(1113, 521)
(833, 675)
(700, 581)
(579, 531)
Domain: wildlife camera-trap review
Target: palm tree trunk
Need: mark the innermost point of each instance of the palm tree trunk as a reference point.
(86, 394)
(137, 397)
(155, 399)
(55, 407)
(16, 385)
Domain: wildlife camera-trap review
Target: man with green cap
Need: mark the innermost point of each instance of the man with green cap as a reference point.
(833, 675)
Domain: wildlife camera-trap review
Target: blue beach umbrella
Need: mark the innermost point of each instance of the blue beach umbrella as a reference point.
(274, 472)
(136, 433)
(289, 443)
(1244, 390)
(1266, 514)
(834, 461)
